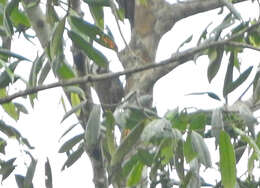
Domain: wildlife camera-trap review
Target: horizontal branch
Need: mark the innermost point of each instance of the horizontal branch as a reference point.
(189, 54)
(176, 60)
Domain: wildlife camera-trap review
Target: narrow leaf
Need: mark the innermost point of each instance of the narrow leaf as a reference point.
(74, 110)
(89, 50)
(29, 174)
(68, 145)
(215, 56)
(92, 31)
(92, 132)
(127, 144)
(229, 75)
(135, 175)
(8, 53)
(227, 161)
(48, 174)
(73, 157)
(201, 148)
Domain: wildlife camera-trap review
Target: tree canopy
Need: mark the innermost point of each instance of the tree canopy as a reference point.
(148, 150)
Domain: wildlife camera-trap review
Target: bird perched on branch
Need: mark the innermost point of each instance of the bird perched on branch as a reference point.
(129, 8)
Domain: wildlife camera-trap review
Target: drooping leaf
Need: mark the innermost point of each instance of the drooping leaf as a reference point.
(110, 128)
(201, 148)
(44, 73)
(92, 132)
(179, 159)
(65, 71)
(97, 13)
(30, 174)
(3, 144)
(13, 133)
(19, 181)
(77, 90)
(229, 76)
(7, 13)
(19, 19)
(135, 175)
(56, 44)
(188, 151)
(48, 174)
(20, 108)
(215, 56)
(9, 107)
(217, 124)
(73, 157)
(227, 161)
(68, 145)
(95, 33)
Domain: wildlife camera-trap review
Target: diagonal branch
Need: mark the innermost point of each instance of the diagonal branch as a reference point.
(173, 62)
(190, 53)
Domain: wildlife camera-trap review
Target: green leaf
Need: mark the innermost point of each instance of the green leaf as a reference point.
(179, 159)
(98, 2)
(56, 48)
(127, 144)
(8, 53)
(249, 140)
(68, 145)
(68, 130)
(217, 124)
(7, 168)
(48, 174)
(76, 105)
(73, 157)
(19, 181)
(215, 56)
(110, 128)
(65, 71)
(201, 148)
(243, 76)
(185, 42)
(188, 150)
(19, 19)
(75, 109)
(7, 20)
(89, 50)
(97, 13)
(76, 90)
(11, 132)
(5, 79)
(44, 73)
(227, 161)
(29, 174)
(92, 132)
(135, 175)
(229, 75)
(9, 107)
(20, 108)
(3, 144)
(95, 33)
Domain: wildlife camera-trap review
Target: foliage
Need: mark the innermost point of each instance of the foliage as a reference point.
(174, 143)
